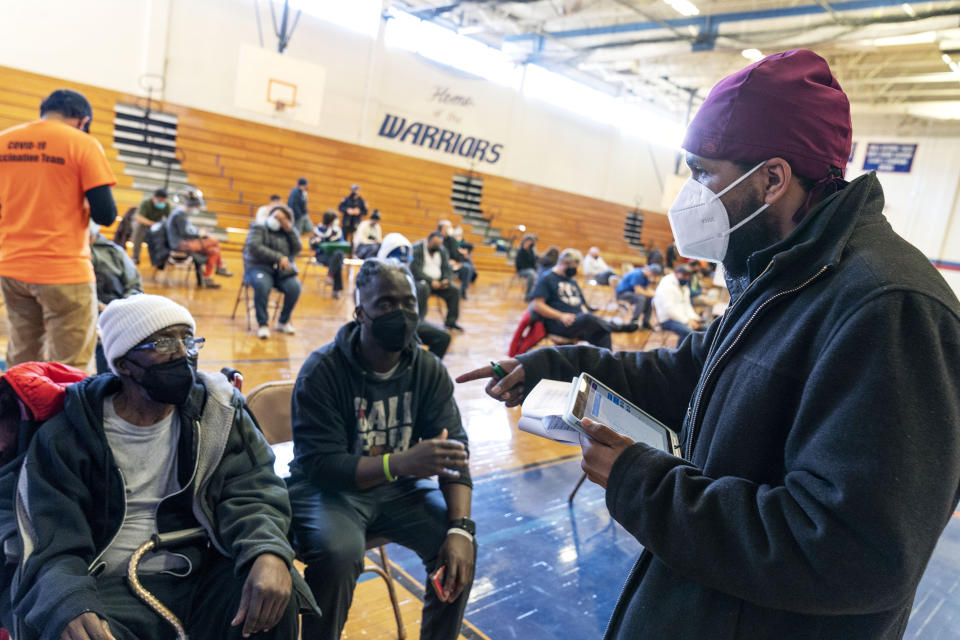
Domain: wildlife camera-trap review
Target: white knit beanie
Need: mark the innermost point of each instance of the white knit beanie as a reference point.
(126, 322)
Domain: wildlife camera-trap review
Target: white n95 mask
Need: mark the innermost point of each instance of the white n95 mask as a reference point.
(700, 222)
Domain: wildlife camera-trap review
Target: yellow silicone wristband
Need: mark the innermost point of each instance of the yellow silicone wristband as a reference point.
(386, 467)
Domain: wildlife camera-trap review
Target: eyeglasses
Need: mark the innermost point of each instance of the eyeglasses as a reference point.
(166, 346)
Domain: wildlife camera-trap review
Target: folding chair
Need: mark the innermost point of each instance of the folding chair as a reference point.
(270, 404)
(184, 262)
(246, 293)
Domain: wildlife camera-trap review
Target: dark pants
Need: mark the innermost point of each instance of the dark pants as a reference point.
(302, 225)
(262, 282)
(334, 264)
(586, 327)
(604, 278)
(331, 528)
(364, 251)
(205, 602)
(530, 275)
(641, 304)
(678, 328)
(436, 339)
(466, 273)
(449, 295)
(138, 236)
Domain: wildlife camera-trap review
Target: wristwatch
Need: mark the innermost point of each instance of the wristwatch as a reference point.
(466, 524)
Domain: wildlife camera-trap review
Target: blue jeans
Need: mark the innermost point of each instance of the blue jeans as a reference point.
(262, 282)
(330, 529)
(678, 328)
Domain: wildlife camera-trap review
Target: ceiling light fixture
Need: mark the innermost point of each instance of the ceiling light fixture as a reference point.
(683, 7)
(752, 54)
(907, 9)
(914, 38)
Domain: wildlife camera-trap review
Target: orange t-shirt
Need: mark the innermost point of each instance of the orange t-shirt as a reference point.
(45, 168)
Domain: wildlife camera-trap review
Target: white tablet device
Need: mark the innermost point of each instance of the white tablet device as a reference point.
(595, 401)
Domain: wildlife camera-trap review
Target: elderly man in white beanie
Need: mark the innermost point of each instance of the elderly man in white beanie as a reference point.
(153, 447)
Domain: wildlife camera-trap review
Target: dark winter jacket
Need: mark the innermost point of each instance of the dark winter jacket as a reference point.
(349, 221)
(179, 228)
(820, 420)
(341, 411)
(117, 276)
(264, 248)
(416, 267)
(70, 499)
(526, 259)
(297, 202)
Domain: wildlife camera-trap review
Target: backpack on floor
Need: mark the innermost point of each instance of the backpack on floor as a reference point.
(157, 245)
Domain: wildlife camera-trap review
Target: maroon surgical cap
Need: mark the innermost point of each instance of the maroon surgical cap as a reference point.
(787, 105)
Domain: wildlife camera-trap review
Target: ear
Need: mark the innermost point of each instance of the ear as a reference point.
(776, 175)
(122, 367)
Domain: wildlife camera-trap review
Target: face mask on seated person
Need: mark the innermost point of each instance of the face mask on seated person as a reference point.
(273, 224)
(570, 272)
(168, 382)
(394, 330)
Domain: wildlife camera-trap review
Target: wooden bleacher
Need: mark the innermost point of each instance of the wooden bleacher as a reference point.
(238, 164)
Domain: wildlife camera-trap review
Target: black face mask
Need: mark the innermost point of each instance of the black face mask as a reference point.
(433, 249)
(570, 272)
(394, 330)
(682, 283)
(169, 382)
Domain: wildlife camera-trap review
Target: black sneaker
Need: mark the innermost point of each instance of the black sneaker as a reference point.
(625, 328)
(453, 326)
(210, 283)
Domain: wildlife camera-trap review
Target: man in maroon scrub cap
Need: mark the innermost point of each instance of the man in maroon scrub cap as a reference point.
(819, 418)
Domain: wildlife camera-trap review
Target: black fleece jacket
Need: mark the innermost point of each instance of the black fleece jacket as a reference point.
(820, 417)
(341, 411)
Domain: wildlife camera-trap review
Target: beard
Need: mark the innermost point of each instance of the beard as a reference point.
(756, 235)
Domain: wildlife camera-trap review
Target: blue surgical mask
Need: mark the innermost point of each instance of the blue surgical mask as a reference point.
(160, 205)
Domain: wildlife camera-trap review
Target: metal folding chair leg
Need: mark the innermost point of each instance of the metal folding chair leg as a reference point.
(576, 488)
(384, 573)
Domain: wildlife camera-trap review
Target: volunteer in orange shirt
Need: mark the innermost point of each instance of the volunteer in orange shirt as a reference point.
(51, 170)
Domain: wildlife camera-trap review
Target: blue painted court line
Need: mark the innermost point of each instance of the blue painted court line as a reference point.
(546, 570)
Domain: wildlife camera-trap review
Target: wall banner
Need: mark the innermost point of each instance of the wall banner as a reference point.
(430, 136)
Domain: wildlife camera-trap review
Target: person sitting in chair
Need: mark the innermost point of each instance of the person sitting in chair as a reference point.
(183, 236)
(638, 287)
(460, 263)
(369, 235)
(431, 270)
(558, 301)
(154, 446)
(373, 419)
(329, 231)
(268, 256)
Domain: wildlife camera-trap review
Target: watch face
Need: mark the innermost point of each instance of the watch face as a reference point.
(466, 524)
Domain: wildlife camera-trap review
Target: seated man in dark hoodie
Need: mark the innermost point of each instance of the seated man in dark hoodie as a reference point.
(153, 446)
(818, 418)
(373, 419)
